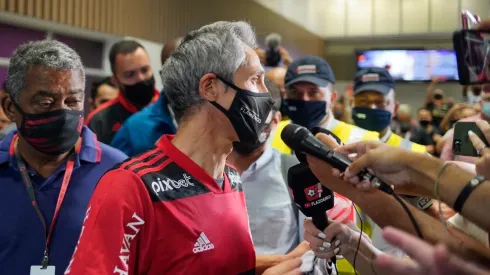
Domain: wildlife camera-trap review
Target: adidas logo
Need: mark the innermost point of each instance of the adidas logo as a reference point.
(202, 244)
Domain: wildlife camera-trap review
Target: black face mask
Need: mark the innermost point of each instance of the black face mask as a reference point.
(306, 113)
(245, 149)
(141, 93)
(52, 133)
(248, 114)
(405, 126)
(424, 123)
(438, 97)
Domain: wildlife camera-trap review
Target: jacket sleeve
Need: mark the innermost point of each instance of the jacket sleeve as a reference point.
(121, 140)
(116, 235)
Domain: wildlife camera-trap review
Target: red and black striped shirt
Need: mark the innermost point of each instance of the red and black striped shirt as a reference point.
(160, 213)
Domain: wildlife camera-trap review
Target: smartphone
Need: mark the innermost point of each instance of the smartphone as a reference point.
(461, 142)
(473, 56)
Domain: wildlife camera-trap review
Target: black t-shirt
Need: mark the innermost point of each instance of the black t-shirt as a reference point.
(438, 112)
(421, 136)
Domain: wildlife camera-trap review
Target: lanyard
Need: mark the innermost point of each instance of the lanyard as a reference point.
(30, 191)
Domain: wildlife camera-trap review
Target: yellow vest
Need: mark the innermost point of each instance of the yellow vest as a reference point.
(398, 141)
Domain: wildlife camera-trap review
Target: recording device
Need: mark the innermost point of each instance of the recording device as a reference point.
(461, 142)
(473, 56)
(300, 139)
(273, 56)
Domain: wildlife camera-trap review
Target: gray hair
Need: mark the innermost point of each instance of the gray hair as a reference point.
(50, 54)
(217, 48)
(404, 109)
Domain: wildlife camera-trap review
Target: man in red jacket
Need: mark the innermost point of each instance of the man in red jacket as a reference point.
(179, 209)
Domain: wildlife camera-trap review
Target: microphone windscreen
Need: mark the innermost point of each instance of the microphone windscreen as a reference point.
(273, 40)
(293, 134)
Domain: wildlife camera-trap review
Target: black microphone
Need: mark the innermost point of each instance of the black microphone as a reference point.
(300, 139)
(312, 198)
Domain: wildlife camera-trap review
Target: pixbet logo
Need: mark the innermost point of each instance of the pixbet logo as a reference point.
(169, 184)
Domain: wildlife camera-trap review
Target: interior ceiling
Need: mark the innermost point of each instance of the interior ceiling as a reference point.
(358, 18)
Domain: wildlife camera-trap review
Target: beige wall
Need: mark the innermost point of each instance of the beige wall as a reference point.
(162, 20)
(348, 18)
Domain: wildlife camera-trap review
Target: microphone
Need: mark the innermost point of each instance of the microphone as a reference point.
(300, 139)
(273, 56)
(312, 198)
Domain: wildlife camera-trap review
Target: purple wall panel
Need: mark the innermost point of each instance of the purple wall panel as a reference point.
(3, 75)
(12, 37)
(90, 51)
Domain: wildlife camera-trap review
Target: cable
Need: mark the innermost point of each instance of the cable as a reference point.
(409, 213)
(359, 241)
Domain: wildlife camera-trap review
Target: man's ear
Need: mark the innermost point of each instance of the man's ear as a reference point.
(115, 82)
(276, 119)
(333, 97)
(208, 87)
(8, 107)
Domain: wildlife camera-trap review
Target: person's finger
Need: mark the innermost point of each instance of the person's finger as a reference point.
(315, 237)
(296, 271)
(478, 144)
(327, 254)
(336, 173)
(364, 185)
(358, 148)
(333, 229)
(358, 165)
(329, 141)
(484, 25)
(447, 263)
(391, 265)
(485, 128)
(284, 267)
(415, 248)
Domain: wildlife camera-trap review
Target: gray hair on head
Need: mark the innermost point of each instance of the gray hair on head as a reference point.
(404, 109)
(217, 48)
(50, 54)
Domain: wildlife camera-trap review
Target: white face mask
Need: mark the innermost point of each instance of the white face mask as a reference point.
(472, 99)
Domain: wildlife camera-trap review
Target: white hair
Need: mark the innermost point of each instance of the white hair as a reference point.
(405, 109)
(217, 48)
(50, 54)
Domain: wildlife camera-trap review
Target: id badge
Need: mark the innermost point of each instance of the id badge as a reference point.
(38, 270)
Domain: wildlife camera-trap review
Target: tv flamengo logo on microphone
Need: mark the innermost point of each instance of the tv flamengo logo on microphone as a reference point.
(313, 192)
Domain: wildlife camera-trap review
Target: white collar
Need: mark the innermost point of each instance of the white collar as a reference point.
(386, 136)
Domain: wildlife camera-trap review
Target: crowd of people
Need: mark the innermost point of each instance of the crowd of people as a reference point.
(193, 179)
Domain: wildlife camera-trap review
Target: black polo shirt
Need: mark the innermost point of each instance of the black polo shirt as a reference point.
(106, 120)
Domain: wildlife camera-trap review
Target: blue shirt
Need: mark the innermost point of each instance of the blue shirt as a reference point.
(139, 133)
(22, 239)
